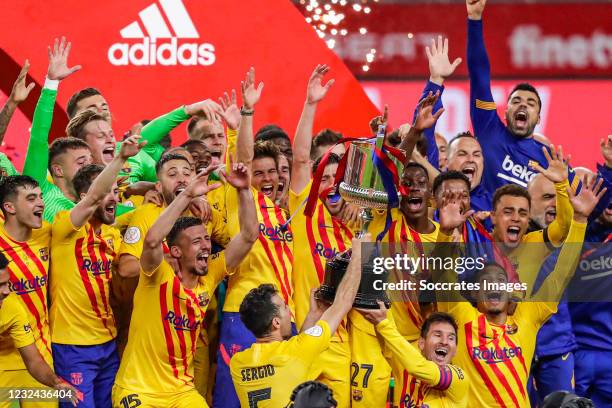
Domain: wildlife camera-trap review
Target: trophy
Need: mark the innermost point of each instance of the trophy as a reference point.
(363, 187)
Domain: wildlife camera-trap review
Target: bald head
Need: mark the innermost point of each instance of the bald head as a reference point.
(543, 200)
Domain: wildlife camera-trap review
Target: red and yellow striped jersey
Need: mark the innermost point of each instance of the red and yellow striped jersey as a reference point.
(497, 357)
(404, 240)
(15, 330)
(81, 267)
(316, 240)
(271, 258)
(166, 322)
(28, 279)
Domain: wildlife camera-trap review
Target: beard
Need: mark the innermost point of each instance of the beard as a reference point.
(103, 216)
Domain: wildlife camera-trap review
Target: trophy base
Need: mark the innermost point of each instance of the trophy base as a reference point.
(362, 300)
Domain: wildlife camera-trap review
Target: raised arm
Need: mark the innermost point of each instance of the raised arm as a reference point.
(425, 118)
(102, 185)
(482, 106)
(583, 203)
(440, 68)
(557, 172)
(315, 92)
(604, 171)
(152, 252)
(37, 156)
(347, 289)
(19, 93)
(241, 244)
(250, 97)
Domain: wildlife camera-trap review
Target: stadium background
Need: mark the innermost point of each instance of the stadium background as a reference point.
(563, 48)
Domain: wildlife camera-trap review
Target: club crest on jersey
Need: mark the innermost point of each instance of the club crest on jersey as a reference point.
(76, 378)
(27, 328)
(127, 169)
(357, 395)
(275, 233)
(44, 253)
(511, 328)
(203, 299)
(110, 243)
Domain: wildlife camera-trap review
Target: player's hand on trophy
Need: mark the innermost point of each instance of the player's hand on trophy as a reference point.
(375, 316)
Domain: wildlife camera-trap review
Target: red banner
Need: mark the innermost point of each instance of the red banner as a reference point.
(150, 56)
(545, 40)
(575, 123)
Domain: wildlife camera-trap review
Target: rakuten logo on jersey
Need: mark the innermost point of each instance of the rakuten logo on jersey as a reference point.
(519, 174)
(163, 45)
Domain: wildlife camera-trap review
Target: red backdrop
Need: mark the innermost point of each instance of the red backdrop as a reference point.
(228, 36)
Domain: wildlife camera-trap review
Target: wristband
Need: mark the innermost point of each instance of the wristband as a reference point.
(246, 112)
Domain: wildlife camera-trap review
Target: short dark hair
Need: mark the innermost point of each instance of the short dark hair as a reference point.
(62, 145)
(190, 143)
(313, 394)
(9, 186)
(449, 175)
(437, 317)
(191, 126)
(179, 226)
(263, 149)
(467, 133)
(415, 165)
(326, 137)
(513, 190)
(85, 177)
(332, 159)
(71, 107)
(257, 309)
(3, 261)
(166, 157)
(76, 126)
(271, 132)
(524, 86)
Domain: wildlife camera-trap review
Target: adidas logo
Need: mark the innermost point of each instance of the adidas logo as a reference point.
(168, 51)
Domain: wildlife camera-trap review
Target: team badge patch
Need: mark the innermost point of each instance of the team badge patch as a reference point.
(511, 328)
(203, 299)
(314, 331)
(132, 235)
(357, 395)
(76, 378)
(44, 253)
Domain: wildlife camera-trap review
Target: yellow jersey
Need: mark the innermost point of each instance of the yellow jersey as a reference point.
(145, 216)
(316, 240)
(81, 267)
(28, 279)
(270, 259)
(424, 383)
(266, 374)
(15, 330)
(404, 240)
(166, 323)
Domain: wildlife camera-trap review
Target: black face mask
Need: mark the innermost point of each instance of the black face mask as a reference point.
(564, 399)
(312, 394)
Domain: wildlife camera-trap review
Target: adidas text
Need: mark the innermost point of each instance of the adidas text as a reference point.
(167, 53)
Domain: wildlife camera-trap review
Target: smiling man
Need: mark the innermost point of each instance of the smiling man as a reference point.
(431, 381)
(508, 147)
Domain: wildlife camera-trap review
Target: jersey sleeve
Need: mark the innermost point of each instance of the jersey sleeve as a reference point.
(430, 133)
(153, 278)
(310, 343)
(7, 165)
(133, 238)
(559, 228)
(37, 155)
(154, 131)
(19, 328)
(483, 111)
(62, 227)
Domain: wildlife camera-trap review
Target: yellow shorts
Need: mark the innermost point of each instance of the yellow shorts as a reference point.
(201, 366)
(370, 372)
(332, 368)
(16, 379)
(124, 398)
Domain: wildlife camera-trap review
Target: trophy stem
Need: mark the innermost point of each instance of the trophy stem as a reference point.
(366, 218)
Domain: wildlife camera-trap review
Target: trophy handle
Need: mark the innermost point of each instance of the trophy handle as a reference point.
(366, 218)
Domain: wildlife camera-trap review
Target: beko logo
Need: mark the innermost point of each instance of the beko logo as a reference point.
(164, 44)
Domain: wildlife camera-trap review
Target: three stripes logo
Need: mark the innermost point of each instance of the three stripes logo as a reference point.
(159, 32)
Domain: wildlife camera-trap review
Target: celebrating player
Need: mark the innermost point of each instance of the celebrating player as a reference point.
(267, 372)
(157, 366)
(83, 247)
(429, 379)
